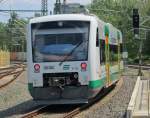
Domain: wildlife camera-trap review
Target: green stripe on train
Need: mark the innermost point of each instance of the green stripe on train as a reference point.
(30, 87)
(96, 83)
(101, 82)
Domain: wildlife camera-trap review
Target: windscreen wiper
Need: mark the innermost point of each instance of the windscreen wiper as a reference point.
(70, 53)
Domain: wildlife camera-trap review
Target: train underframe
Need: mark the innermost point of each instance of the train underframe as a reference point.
(57, 95)
(62, 88)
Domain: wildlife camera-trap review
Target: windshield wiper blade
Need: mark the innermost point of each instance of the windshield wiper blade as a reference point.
(70, 53)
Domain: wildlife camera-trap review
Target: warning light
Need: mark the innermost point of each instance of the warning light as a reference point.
(36, 67)
(83, 66)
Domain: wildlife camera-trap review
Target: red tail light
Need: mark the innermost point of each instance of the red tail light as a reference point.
(36, 67)
(83, 66)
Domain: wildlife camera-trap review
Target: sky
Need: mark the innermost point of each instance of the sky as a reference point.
(28, 5)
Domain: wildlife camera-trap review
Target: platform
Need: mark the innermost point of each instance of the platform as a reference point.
(139, 106)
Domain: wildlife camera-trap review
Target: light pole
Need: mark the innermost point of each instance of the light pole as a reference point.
(140, 58)
(140, 49)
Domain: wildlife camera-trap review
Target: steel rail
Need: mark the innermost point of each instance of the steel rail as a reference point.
(12, 72)
(144, 67)
(15, 77)
(11, 67)
(76, 111)
(35, 112)
(98, 98)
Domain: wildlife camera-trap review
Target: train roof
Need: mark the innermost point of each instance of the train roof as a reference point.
(81, 17)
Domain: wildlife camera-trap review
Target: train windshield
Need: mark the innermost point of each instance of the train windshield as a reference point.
(55, 41)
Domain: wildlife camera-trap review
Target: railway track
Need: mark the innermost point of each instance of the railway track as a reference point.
(104, 94)
(5, 69)
(144, 67)
(12, 71)
(35, 112)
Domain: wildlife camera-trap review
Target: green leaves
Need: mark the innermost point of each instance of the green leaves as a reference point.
(12, 33)
(119, 13)
(106, 30)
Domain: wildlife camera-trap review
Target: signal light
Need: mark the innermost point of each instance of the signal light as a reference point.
(36, 67)
(136, 21)
(83, 66)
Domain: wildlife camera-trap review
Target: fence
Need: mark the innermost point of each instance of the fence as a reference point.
(4, 58)
(18, 56)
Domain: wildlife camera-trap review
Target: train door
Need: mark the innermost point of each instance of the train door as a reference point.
(103, 45)
(98, 54)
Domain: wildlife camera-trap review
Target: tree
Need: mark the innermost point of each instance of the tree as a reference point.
(119, 13)
(16, 30)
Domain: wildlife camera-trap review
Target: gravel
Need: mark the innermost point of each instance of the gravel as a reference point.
(117, 105)
(15, 98)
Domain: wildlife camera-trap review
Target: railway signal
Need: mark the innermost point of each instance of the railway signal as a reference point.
(136, 22)
(136, 33)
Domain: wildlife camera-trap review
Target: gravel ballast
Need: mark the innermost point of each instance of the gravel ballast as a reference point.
(15, 100)
(117, 105)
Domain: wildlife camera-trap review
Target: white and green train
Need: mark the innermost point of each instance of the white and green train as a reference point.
(71, 57)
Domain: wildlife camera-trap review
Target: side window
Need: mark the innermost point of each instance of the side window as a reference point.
(97, 38)
(121, 50)
(102, 51)
(113, 54)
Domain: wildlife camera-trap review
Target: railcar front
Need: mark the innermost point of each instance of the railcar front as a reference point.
(59, 58)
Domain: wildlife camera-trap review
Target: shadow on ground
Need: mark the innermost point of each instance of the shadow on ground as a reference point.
(18, 109)
(30, 105)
